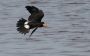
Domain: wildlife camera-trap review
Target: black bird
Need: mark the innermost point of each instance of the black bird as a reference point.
(33, 22)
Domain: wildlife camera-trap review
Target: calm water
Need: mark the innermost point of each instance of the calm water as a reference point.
(68, 33)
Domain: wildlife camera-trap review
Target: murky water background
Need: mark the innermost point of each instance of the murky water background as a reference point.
(68, 33)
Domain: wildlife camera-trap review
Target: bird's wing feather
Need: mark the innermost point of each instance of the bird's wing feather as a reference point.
(36, 17)
(36, 14)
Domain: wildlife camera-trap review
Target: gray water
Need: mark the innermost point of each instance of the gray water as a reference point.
(68, 32)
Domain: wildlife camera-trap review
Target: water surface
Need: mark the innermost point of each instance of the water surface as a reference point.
(67, 35)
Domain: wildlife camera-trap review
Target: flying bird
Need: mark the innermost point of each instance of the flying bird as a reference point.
(33, 22)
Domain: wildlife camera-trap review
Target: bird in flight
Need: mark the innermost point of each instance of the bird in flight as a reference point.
(34, 21)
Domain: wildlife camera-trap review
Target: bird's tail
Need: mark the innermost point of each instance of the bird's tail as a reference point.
(20, 26)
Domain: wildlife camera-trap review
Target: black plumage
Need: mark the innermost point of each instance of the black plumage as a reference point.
(34, 20)
(36, 14)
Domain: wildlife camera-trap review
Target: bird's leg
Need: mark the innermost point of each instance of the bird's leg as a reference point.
(33, 32)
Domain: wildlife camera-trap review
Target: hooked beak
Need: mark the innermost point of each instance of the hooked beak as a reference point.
(45, 25)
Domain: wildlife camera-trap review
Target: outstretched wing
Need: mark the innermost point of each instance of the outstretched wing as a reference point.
(36, 14)
(32, 9)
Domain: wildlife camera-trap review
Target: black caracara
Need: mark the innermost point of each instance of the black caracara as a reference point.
(33, 22)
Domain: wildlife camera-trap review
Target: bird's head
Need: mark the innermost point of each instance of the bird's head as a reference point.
(32, 9)
(45, 25)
